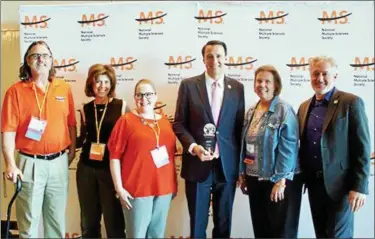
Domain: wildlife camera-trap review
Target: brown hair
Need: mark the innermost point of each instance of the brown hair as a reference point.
(146, 82)
(276, 77)
(25, 71)
(94, 72)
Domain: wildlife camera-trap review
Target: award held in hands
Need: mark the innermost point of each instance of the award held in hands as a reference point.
(209, 133)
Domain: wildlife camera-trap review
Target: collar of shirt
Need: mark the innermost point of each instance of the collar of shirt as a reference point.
(326, 99)
(54, 82)
(210, 81)
(220, 90)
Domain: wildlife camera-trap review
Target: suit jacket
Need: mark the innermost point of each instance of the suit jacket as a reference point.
(345, 144)
(193, 112)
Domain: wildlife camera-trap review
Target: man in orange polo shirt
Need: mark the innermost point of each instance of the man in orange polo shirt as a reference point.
(38, 120)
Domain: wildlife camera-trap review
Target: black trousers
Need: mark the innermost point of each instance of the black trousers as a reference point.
(332, 219)
(274, 219)
(96, 196)
(293, 207)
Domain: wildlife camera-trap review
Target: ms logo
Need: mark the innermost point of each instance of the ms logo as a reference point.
(363, 64)
(242, 63)
(123, 63)
(180, 61)
(337, 17)
(65, 65)
(214, 17)
(273, 17)
(94, 20)
(36, 21)
(300, 64)
(156, 17)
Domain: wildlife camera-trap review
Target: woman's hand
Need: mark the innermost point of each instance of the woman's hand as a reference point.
(242, 184)
(277, 193)
(124, 197)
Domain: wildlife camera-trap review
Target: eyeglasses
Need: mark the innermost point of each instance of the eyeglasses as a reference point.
(148, 95)
(36, 56)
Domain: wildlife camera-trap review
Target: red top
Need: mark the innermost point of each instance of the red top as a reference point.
(131, 142)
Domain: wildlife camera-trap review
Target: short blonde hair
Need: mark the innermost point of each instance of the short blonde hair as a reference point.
(317, 59)
(144, 82)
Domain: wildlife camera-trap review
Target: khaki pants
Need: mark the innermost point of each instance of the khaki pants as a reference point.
(44, 189)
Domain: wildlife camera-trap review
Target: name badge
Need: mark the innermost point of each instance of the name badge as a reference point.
(249, 160)
(97, 151)
(250, 148)
(160, 156)
(35, 129)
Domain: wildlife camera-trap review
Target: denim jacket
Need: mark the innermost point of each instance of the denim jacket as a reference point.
(277, 141)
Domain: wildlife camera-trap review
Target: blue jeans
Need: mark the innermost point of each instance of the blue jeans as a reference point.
(148, 216)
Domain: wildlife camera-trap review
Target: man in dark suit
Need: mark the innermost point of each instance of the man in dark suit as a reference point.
(210, 166)
(334, 152)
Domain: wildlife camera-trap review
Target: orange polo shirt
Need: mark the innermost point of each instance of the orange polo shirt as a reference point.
(20, 105)
(132, 142)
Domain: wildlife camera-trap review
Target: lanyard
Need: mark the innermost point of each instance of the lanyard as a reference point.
(157, 133)
(40, 107)
(98, 127)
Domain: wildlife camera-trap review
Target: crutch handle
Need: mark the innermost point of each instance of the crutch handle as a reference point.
(18, 189)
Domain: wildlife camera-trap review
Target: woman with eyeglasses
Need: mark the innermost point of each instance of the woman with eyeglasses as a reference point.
(96, 192)
(142, 147)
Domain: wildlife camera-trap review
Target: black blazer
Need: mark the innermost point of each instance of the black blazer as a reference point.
(345, 144)
(193, 112)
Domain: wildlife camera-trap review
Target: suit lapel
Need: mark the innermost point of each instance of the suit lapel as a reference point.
(202, 91)
(226, 102)
(332, 106)
(304, 112)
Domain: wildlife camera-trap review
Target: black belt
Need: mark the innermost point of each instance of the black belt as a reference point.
(45, 157)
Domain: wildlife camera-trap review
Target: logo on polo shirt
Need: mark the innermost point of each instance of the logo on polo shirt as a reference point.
(60, 98)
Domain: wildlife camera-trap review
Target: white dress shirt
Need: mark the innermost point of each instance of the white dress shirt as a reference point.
(209, 82)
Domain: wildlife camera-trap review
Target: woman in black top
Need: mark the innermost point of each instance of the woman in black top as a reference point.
(96, 192)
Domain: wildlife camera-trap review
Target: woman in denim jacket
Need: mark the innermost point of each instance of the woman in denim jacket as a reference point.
(269, 154)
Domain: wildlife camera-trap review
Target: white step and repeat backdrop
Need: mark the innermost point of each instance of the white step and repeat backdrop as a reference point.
(162, 41)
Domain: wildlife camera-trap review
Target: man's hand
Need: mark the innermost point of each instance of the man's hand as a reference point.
(11, 173)
(202, 154)
(71, 156)
(356, 200)
(242, 184)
